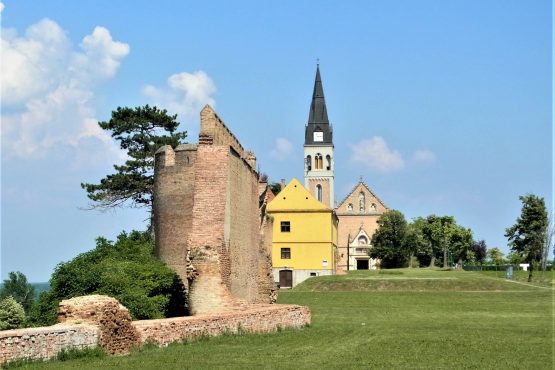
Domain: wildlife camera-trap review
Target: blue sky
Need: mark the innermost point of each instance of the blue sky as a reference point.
(442, 107)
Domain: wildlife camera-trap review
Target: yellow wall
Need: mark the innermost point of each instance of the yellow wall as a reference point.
(313, 235)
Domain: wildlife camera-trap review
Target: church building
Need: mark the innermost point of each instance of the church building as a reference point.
(358, 214)
(359, 211)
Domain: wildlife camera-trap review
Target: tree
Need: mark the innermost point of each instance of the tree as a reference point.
(275, 187)
(19, 289)
(495, 256)
(140, 132)
(388, 241)
(12, 314)
(515, 258)
(480, 249)
(527, 235)
(549, 242)
(126, 270)
(460, 245)
(415, 241)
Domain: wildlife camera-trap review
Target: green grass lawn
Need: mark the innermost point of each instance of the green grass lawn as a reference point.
(397, 319)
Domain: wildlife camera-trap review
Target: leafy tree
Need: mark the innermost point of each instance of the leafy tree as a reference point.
(515, 258)
(415, 241)
(495, 256)
(19, 289)
(140, 132)
(12, 314)
(437, 236)
(388, 241)
(527, 235)
(275, 187)
(479, 249)
(126, 270)
(460, 244)
(419, 239)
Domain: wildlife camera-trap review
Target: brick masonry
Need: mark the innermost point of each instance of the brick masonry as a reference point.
(354, 214)
(209, 220)
(91, 321)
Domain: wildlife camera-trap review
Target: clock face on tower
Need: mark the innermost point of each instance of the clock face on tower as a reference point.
(318, 136)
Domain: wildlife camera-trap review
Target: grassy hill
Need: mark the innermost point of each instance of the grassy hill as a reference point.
(413, 280)
(394, 319)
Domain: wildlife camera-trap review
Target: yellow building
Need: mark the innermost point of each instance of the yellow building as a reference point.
(304, 236)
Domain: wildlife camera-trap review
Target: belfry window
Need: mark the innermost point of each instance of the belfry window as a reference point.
(328, 162)
(319, 163)
(319, 192)
(308, 163)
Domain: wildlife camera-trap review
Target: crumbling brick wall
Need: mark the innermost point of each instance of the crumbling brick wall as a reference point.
(92, 321)
(206, 219)
(117, 334)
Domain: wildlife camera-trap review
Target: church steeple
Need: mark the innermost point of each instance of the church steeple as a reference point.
(318, 148)
(318, 112)
(318, 131)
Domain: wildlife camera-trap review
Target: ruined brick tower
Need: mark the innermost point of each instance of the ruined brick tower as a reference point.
(210, 222)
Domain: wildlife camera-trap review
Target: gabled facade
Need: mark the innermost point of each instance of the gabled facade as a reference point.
(358, 252)
(319, 163)
(304, 236)
(358, 214)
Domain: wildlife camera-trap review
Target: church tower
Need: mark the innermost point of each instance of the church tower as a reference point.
(318, 148)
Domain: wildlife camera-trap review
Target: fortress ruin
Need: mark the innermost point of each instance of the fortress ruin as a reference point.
(210, 221)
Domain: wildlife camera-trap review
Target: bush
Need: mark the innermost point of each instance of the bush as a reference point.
(126, 270)
(12, 314)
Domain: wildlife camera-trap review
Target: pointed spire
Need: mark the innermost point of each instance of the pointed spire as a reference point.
(318, 112)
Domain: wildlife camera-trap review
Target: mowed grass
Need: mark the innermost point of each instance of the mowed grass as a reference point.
(397, 319)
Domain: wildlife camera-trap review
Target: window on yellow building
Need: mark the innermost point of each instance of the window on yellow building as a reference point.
(285, 253)
(285, 226)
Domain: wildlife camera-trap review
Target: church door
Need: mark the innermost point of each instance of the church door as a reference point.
(286, 279)
(362, 264)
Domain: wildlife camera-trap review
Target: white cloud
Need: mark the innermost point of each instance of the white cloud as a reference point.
(185, 94)
(375, 154)
(1, 7)
(424, 156)
(282, 150)
(48, 88)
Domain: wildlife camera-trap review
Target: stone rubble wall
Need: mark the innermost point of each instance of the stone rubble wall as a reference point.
(100, 321)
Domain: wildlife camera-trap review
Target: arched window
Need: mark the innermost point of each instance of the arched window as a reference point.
(318, 161)
(362, 240)
(350, 207)
(328, 162)
(319, 192)
(361, 201)
(308, 163)
(373, 208)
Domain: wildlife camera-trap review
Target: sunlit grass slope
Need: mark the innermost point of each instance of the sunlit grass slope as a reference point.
(400, 319)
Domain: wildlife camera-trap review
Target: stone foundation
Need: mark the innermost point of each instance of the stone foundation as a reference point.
(100, 321)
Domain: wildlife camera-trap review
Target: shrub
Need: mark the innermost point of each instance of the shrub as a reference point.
(126, 270)
(12, 314)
